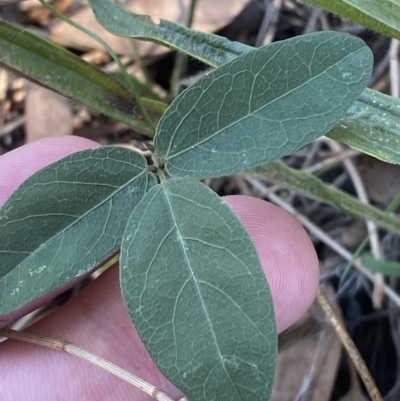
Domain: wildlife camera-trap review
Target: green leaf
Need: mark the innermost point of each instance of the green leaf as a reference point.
(197, 295)
(208, 48)
(388, 268)
(381, 16)
(263, 105)
(54, 67)
(372, 125)
(312, 187)
(65, 220)
(362, 127)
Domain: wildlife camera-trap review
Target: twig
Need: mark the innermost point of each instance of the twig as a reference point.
(113, 55)
(314, 148)
(377, 295)
(322, 236)
(330, 161)
(181, 59)
(350, 347)
(394, 68)
(268, 26)
(324, 22)
(62, 345)
(379, 70)
(11, 126)
(312, 21)
(350, 28)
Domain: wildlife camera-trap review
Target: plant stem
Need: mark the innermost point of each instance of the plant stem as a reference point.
(161, 175)
(350, 347)
(320, 234)
(62, 345)
(391, 208)
(111, 53)
(181, 58)
(155, 106)
(192, 9)
(139, 60)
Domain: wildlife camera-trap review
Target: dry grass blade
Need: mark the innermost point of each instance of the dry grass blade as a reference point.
(62, 345)
(320, 234)
(268, 27)
(394, 68)
(350, 347)
(377, 296)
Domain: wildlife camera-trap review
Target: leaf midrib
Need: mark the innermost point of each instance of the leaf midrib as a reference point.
(168, 157)
(69, 226)
(182, 242)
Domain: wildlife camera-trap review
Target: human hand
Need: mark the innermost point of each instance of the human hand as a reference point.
(97, 319)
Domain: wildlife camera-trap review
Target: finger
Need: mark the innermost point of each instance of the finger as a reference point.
(16, 166)
(97, 319)
(287, 256)
(293, 285)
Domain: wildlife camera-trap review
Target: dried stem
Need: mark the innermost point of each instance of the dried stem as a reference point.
(268, 27)
(352, 350)
(181, 59)
(333, 160)
(394, 68)
(377, 296)
(321, 235)
(62, 345)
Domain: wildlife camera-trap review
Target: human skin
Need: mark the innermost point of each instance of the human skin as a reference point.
(97, 320)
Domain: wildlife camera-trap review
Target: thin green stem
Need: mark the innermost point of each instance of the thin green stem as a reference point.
(161, 175)
(155, 106)
(111, 53)
(391, 208)
(159, 164)
(181, 58)
(192, 9)
(139, 60)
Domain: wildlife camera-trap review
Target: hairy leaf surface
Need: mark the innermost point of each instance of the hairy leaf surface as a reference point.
(263, 105)
(206, 47)
(197, 295)
(55, 68)
(65, 220)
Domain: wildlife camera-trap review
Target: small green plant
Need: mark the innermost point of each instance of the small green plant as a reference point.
(190, 275)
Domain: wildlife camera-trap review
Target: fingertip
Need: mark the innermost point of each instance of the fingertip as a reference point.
(286, 253)
(285, 250)
(16, 166)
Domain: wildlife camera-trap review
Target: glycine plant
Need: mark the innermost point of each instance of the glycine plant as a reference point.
(190, 276)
